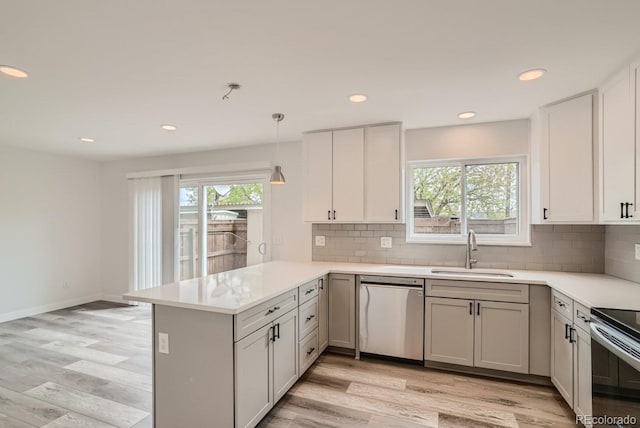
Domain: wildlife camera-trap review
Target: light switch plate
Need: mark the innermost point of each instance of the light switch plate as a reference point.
(637, 251)
(163, 343)
(386, 242)
(320, 241)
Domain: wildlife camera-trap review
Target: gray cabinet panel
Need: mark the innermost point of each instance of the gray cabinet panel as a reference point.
(323, 313)
(342, 311)
(561, 356)
(449, 330)
(285, 354)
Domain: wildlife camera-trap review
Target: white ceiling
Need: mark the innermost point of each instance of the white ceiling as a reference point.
(115, 70)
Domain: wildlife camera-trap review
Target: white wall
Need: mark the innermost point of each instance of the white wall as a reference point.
(468, 141)
(50, 229)
(291, 237)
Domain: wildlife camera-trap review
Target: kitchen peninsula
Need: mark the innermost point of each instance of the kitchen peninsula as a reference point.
(227, 346)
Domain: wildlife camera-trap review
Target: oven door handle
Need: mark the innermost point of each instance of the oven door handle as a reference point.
(625, 356)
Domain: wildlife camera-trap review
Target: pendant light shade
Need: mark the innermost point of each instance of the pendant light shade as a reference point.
(276, 176)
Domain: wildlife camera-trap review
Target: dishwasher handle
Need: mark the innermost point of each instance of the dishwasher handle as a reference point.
(395, 287)
(391, 280)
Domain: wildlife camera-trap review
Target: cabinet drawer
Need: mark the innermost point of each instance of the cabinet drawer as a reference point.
(308, 291)
(493, 291)
(308, 351)
(252, 319)
(581, 317)
(562, 304)
(308, 319)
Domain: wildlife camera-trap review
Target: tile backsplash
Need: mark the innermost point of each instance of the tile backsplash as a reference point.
(619, 251)
(569, 248)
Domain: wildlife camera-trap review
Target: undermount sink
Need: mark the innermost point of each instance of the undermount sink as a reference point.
(471, 273)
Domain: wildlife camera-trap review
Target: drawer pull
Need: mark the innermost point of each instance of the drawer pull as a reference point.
(310, 317)
(583, 317)
(310, 351)
(561, 304)
(275, 308)
(309, 291)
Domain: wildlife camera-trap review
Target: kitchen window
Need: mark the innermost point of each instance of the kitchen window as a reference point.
(448, 198)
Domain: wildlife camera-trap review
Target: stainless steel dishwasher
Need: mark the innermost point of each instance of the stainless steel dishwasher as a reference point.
(391, 316)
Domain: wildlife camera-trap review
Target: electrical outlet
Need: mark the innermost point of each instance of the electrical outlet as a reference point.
(163, 343)
(386, 242)
(637, 251)
(320, 241)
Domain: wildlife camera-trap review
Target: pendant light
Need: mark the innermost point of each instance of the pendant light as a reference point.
(277, 177)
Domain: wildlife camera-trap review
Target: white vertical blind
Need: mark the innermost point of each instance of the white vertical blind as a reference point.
(146, 196)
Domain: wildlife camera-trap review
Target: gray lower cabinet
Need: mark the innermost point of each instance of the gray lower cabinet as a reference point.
(266, 367)
(342, 311)
(561, 356)
(323, 313)
(571, 352)
(493, 335)
(449, 330)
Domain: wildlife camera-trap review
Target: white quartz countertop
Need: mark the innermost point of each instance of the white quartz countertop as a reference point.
(235, 291)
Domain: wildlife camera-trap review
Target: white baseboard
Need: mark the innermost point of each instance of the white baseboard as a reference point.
(48, 308)
(114, 298)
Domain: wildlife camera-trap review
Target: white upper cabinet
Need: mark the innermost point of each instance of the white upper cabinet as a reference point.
(617, 148)
(353, 175)
(565, 151)
(318, 176)
(382, 169)
(348, 175)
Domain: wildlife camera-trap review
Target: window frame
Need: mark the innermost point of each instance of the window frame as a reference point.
(523, 238)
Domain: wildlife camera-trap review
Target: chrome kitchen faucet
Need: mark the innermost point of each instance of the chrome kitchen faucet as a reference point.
(471, 246)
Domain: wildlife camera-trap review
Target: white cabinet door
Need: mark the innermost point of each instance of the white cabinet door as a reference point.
(569, 161)
(348, 175)
(581, 372)
(561, 356)
(342, 311)
(383, 179)
(317, 164)
(323, 313)
(448, 330)
(254, 394)
(617, 151)
(502, 336)
(285, 354)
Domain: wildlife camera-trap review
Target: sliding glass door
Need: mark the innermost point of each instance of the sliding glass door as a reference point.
(221, 225)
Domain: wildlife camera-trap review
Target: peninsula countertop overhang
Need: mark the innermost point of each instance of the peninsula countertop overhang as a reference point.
(237, 290)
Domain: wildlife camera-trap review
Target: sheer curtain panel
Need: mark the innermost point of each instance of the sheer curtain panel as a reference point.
(146, 199)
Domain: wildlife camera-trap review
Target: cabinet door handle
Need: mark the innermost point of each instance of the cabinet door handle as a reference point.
(544, 214)
(621, 209)
(310, 317)
(310, 351)
(572, 339)
(329, 215)
(396, 214)
(277, 327)
(321, 286)
(470, 308)
(334, 214)
(273, 333)
(626, 206)
(566, 331)
(478, 309)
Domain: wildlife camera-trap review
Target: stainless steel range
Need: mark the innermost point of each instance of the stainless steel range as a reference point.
(615, 367)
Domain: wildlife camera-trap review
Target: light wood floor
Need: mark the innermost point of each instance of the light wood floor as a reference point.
(90, 366)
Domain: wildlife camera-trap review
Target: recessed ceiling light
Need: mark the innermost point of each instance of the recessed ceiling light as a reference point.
(358, 98)
(87, 140)
(169, 127)
(467, 115)
(534, 74)
(13, 72)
